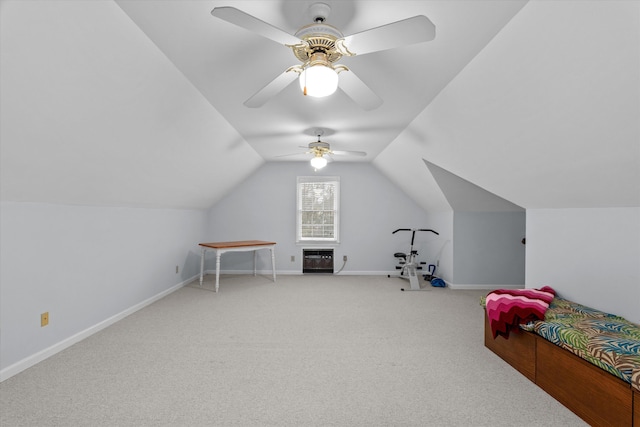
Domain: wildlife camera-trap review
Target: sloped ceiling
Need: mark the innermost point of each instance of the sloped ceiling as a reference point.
(546, 116)
(93, 113)
(464, 196)
(139, 103)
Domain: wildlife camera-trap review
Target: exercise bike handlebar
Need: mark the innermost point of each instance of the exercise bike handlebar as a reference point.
(401, 229)
(416, 229)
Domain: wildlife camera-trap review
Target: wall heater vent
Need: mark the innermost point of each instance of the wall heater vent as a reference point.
(317, 261)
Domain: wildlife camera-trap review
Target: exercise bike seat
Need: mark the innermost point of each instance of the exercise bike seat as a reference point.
(400, 255)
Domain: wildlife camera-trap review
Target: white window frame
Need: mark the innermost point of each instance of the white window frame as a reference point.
(335, 180)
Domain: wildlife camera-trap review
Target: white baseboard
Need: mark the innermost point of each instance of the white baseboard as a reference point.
(299, 273)
(393, 273)
(483, 287)
(38, 357)
(250, 272)
(366, 273)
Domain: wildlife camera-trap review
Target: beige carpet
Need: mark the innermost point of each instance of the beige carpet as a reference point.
(305, 351)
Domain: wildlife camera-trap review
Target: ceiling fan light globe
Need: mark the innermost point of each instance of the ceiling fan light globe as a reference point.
(318, 162)
(319, 80)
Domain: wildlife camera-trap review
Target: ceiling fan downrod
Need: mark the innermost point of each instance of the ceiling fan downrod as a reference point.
(319, 12)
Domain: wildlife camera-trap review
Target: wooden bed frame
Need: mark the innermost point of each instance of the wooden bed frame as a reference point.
(596, 396)
(636, 408)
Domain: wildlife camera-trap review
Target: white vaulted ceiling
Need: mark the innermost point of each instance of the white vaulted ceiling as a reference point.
(228, 64)
(140, 102)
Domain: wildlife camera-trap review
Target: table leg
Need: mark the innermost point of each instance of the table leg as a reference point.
(202, 264)
(217, 270)
(255, 257)
(273, 264)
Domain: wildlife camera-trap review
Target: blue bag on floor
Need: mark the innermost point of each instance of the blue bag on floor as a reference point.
(438, 282)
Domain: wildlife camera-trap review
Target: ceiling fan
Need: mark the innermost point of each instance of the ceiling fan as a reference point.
(318, 46)
(322, 150)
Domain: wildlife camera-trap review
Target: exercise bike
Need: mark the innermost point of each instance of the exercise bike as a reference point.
(409, 264)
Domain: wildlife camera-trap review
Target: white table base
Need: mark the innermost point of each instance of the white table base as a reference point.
(220, 251)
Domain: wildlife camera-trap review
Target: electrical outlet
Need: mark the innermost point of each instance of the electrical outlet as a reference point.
(44, 319)
(177, 269)
(293, 258)
(344, 258)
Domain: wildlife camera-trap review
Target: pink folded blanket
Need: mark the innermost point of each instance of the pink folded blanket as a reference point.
(508, 308)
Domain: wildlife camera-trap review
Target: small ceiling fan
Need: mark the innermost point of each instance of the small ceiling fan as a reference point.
(318, 46)
(322, 150)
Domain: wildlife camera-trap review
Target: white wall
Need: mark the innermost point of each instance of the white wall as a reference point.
(440, 252)
(84, 265)
(488, 249)
(591, 256)
(264, 207)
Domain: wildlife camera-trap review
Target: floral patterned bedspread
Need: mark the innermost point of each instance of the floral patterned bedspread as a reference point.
(608, 341)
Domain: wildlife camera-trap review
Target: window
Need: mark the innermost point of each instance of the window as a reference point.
(318, 214)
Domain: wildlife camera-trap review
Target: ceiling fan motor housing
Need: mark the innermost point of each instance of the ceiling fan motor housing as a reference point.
(319, 148)
(319, 38)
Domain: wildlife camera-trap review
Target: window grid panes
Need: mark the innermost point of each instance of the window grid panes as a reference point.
(317, 209)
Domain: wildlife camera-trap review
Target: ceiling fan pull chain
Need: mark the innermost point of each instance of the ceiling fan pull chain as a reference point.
(304, 91)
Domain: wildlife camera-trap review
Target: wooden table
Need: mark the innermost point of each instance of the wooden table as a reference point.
(237, 246)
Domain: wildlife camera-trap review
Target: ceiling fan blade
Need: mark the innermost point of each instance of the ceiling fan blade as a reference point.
(349, 153)
(400, 33)
(358, 91)
(293, 154)
(271, 89)
(251, 23)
